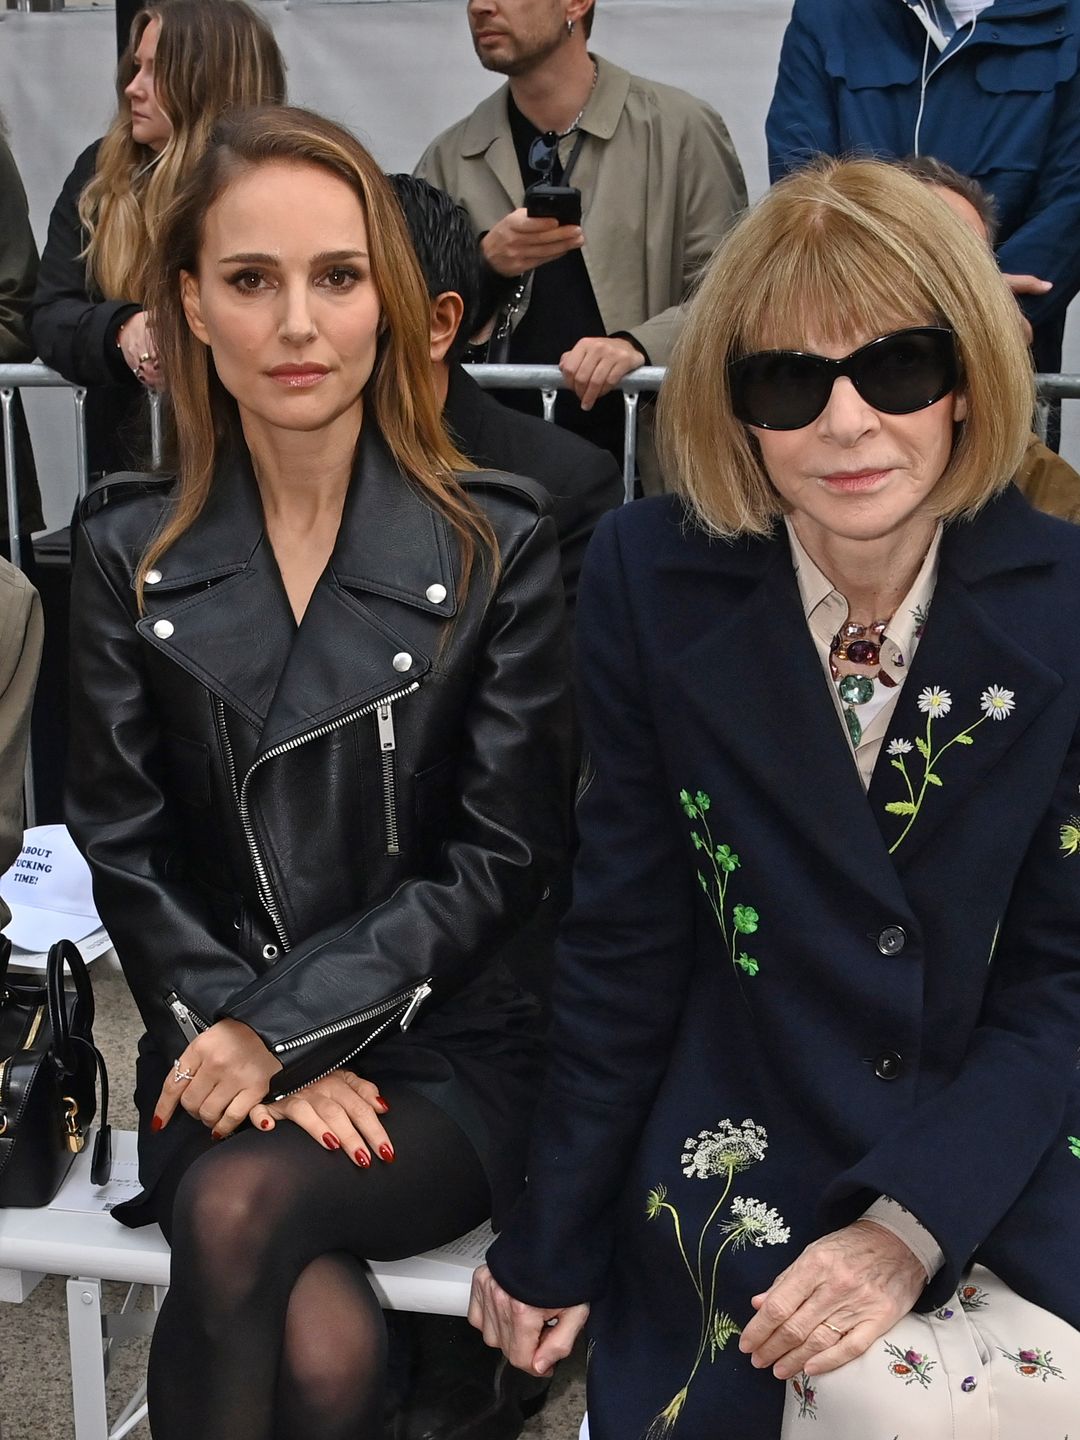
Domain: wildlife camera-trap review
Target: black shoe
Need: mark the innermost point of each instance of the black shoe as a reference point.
(462, 1390)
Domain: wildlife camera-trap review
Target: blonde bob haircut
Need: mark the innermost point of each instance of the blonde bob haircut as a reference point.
(840, 253)
(399, 398)
(212, 56)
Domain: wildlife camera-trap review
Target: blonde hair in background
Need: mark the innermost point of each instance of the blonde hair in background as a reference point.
(841, 252)
(399, 397)
(212, 55)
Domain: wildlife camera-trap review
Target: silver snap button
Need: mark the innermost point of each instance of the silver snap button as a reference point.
(402, 661)
(270, 952)
(163, 629)
(153, 577)
(436, 594)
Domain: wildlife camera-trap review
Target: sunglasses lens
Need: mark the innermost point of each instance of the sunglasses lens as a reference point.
(779, 389)
(906, 371)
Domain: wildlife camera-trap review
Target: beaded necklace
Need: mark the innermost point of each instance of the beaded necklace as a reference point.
(858, 646)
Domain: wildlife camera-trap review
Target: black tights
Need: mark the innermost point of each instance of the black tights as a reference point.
(270, 1330)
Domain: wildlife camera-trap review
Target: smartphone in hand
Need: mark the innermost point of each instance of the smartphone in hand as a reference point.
(559, 202)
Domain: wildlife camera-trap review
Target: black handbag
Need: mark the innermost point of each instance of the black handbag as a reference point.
(49, 1070)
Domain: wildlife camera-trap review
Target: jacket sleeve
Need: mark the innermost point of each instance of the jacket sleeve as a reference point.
(1045, 243)
(507, 843)
(624, 965)
(802, 119)
(121, 819)
(961, 1159)
(73, 332)
(20, 653)
(714, 194)
(18, 263)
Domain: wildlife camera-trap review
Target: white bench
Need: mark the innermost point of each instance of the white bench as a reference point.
(89, 1246)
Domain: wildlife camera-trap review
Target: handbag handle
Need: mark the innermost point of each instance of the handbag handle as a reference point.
(65, 1041)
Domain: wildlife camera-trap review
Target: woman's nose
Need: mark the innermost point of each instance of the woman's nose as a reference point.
(847, 416)
(297, 321)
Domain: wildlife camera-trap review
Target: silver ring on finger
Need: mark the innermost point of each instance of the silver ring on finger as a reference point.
(835, 1329)
(179, 1076)
(551, 1322)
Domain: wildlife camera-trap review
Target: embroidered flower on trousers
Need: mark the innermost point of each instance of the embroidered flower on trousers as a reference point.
(934, 702)
(997, 703)
(725, 1151)
(755, 1223)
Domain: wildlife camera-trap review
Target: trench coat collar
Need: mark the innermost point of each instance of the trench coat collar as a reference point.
(487, 130)
(228, 620)
(756, 672)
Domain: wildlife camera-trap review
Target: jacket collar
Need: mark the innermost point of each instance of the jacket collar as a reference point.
(489, 121)
(228, 620)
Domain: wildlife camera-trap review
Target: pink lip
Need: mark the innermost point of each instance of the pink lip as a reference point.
(298, 377)
(854, 480)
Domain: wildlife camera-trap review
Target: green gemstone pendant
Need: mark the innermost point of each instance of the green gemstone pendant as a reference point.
(856, 689)
(854, 726)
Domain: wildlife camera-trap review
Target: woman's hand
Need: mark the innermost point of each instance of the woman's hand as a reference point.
(842, 1293)
(223, 1073)
(137, 346)
(340, 1111)
(524, 1333)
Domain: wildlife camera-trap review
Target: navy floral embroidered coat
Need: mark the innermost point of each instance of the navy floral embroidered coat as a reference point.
(780, 997)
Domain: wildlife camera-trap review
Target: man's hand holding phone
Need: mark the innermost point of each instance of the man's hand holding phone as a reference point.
(520, 242)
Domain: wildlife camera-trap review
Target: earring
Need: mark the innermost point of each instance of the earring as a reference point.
(569, 27)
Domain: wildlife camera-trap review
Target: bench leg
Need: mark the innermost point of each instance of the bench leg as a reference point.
(87, 1359)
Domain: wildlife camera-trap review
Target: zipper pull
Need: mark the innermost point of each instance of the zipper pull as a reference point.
(419, 995)
(182, 1016)
(385, 719)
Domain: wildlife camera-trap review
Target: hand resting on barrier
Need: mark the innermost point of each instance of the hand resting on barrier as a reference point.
(137, 346)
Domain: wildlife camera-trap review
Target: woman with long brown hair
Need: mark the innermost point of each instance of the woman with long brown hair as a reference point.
(187, 62)
(321, 774)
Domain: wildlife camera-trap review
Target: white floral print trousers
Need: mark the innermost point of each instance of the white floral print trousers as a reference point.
(986, 1366)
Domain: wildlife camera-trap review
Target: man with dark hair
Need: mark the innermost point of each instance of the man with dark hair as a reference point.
(582, 480)
(660, 183)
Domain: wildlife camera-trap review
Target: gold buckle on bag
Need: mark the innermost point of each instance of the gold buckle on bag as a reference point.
(73, 1131)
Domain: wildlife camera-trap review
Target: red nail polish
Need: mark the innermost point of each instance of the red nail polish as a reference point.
(156, 1124)
(362, 1158)
(264, 1124)
(215, 1136)
(387, 1153)
(384, 1103)
(331, 1141)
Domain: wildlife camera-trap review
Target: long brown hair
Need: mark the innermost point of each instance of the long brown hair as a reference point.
(399, 397)
(212, 55)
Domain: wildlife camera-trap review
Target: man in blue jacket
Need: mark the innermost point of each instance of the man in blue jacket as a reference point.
(990, 86)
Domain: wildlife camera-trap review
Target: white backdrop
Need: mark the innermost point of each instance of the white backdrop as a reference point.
(396, 72)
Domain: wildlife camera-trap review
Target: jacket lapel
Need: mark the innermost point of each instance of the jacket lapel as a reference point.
(947, 735)
(487, 133)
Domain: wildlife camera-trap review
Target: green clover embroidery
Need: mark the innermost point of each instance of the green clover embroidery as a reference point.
(723, 862)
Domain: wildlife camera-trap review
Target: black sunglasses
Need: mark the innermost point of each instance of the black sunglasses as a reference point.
(897, 373)
(544, 151)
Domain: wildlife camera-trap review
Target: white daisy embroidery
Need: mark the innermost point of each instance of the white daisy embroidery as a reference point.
(997, 703)
(900, 747)
(934, 702)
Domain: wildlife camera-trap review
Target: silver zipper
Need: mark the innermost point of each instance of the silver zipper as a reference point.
(262, 875)
(416, 996)
(190, 1023)
(384, 717)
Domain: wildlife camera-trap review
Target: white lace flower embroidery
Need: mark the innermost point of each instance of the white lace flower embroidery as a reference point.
(997, 703)
(934, 702)
(900, 747)
(725, 1151)
(755, 1223)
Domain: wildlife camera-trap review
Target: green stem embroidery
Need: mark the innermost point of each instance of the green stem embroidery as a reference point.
(743, 919)
(930, 776)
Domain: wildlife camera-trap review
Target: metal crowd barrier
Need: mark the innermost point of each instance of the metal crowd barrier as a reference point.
(548, 379)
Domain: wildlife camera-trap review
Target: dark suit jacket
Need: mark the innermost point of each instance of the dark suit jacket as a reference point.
(582, 480)
(777, 992)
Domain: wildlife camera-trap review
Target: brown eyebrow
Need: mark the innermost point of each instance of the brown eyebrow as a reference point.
(328, 257)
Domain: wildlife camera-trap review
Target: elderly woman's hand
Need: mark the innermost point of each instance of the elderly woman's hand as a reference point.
(533, 1339)
(844, 1292)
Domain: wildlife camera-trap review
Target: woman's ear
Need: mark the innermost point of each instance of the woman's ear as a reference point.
(191, 299)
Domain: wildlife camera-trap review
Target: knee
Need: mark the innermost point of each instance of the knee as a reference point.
(223, 1217)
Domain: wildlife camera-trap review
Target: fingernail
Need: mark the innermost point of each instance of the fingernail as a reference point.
(362, 1158)
(387, 1153)
(384, 1103)
(331, 1141)
(156, 1124)
(264, 1124)
(216, 1135)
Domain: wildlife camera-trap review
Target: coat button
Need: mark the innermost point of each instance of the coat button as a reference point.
(163, 629)
(888, 1065)
(402, 661)
(270, 952)
(891, 940)
(153, 577)
(436, 594)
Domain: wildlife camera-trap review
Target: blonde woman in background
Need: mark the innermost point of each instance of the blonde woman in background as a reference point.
(187, 62)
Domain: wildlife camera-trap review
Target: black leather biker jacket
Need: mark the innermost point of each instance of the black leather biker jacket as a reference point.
(293, 826)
